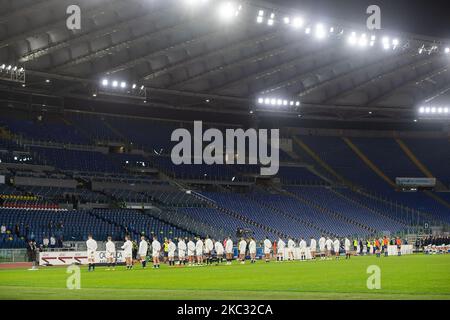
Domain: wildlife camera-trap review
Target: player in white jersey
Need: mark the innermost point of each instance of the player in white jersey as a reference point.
(291, 248)
(199, 251)
(280, 250)
(242, 249)
(142, 252)
(313, 248)
(209, 246)
(347, 246)
(171, 253)
(302, 246)
(191, 251)
(156, 250)
(267, 247)
(322, 242)
(329, 247)
(91, 245)
(336, 247)
(128, 252)
(219, 251)
(229, 250)
(252, 250)
(181, 251)
(110, 254)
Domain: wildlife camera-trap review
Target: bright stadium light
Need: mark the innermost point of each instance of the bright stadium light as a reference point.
(271, 19)
(115, 83)
(352, 39)
(363, 40)
(297, 23)
(320, 32)
(228, 10)
(308, 30)
(447, 50)
(260, 18)
(123, 84)
(286, 20)
(260, 100)
(386, 43)
(105, 82)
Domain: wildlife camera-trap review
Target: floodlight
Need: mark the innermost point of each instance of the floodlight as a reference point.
(123, 85)
(134, 86)
(260, 100)
(447, 50)
(227, 10)
(271, 19)
(260, 17)
(308, 30)
(115, 83)
(297, 103)
(320, 31)
(421, 110)
(105, 82)
(286, 20)
(297, 23)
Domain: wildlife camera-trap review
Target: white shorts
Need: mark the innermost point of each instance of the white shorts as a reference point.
(199, 253)
(181, 254)
(219, 253)
(322, 249)
(252, 251)
(290, 250)
(279, 251)
(171, 254)
(242, 252)
(155, 254)
(142, 255)
(191, 253)
(266, 251)
(110, 255)
(229, 252)
(91, 255)
(127, 255)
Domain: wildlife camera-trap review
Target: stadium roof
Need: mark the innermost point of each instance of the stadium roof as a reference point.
(187, 54)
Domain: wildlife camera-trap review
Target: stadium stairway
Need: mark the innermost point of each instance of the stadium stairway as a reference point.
(368, 162)
(330, 212)
(292, 217)
(70, 124)
(363, 205)
(184, 222)
(319, 161)
(241, 217)
(410, 154)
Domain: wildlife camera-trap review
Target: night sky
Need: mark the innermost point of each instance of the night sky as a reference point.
(430, 18)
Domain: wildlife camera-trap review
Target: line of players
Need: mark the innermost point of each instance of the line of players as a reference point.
(198, 251)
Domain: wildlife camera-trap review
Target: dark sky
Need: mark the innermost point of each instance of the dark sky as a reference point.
(431, 18)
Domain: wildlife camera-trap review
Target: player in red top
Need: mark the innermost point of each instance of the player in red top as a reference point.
(398, 242)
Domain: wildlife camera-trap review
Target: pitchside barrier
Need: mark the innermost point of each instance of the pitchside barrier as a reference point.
(64, 258)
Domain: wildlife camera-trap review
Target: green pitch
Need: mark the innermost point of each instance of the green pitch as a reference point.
(406, 277)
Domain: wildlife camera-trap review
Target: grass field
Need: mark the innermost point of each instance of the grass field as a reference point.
(406, 277)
